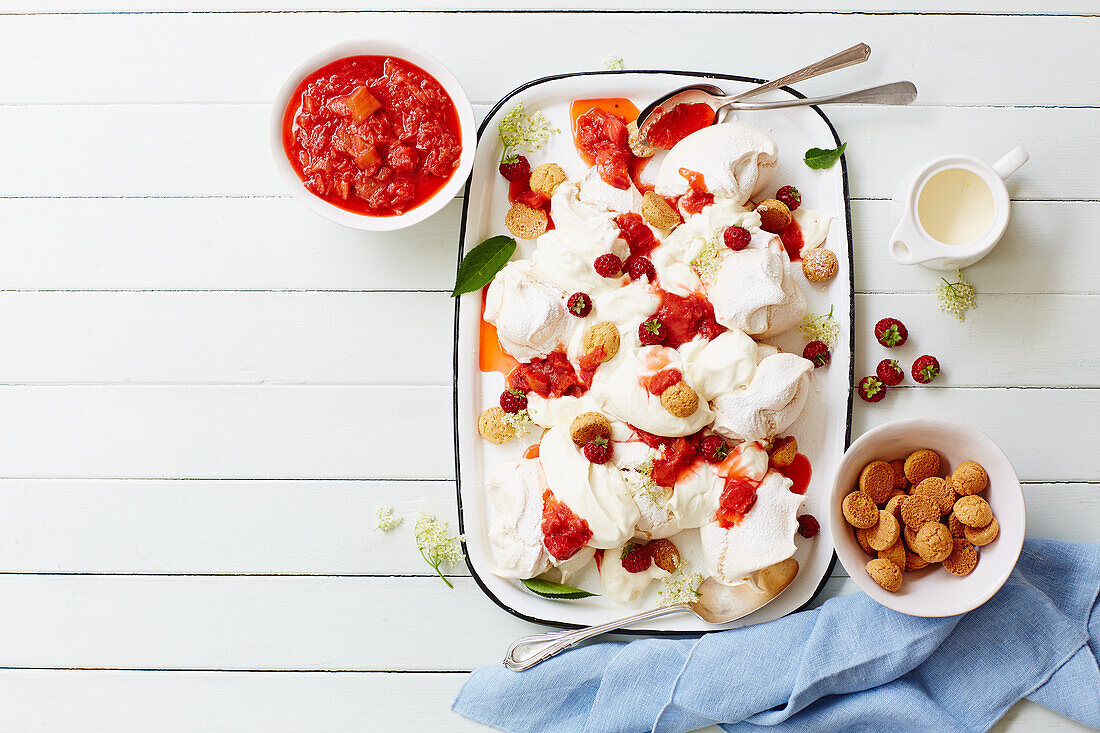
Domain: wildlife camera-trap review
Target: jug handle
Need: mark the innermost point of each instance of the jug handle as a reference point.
(1011, 161)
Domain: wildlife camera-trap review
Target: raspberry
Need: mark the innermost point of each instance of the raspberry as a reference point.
(790, 196)
(512, 400)
(889, 372)
(598, 450)
(651, 332)
(808, 526)
(608, 265)
(871, 389)
(638, 266)
(636, 559)
(925, 369)
(515, 168)
(714, 449)
(891, 332)
(818, 353)
(579, 304)
(736, 238)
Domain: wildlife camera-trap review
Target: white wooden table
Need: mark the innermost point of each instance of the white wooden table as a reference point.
(206, 389)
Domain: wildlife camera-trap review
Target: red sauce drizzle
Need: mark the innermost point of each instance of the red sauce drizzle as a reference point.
(686, 317)
(376, 135)
(491, 357)
(738, 497)
(553, 376)
(677, 459)
(799, 472)
(697, 196)
(636, 233)
(679, 122)
(532, 451)
(792, 241)
(563, 532)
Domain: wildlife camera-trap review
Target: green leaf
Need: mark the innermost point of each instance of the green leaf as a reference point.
(820, 159)
(483, 262)
(554, 591)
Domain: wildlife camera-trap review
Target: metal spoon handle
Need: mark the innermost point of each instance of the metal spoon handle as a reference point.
(527, 651)
(857, 54)
(899, 92)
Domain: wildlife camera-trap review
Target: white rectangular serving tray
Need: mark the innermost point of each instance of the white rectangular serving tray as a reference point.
(822, 430)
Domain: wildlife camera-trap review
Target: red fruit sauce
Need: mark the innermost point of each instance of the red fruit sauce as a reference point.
(738, 497)
(799, 472)
(553, 376)
(677, 459)
(602, 140)
(697, 197)
(792, 240)
(662, 380)
(686, 317)
(679, 122)
(563, 532)
(636, 233)
(376, 135)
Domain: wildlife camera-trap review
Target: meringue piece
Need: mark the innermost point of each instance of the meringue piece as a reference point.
(814, 225)
(769, 404)
(695, 497)
(515, 536)
(595, 191)
(764, 537)
(620, 586)
(736, 161)
(617, 389)
(528, 311)
(594, 492)
(719, 365)
(755, 292)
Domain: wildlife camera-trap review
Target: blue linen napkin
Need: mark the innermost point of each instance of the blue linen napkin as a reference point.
(850, 664)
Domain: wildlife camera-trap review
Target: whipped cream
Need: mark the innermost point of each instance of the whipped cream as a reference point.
(594, 492)
(764, 537)
(814, 225)
(736, 161)
(696, 497)
(722, 364)
(673, 259)
(620, 586)
(528, 311)
(769, 404)
(515, 537)
(755, 292)
(627, 307)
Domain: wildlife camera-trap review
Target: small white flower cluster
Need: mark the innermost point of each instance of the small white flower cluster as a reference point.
(706, 263)
(526, 132)
(820, 327)
(956, 297)
(643, 487)
(436, 543)
(520, 421)
(612, 63)
(385, 519)
(680, 587)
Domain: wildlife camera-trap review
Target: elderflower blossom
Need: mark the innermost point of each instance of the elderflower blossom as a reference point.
(706, 263)
(612, 63)
(385, 518)
(641, 484)
(526, 132)
(956, 297)
(436, 544)
(680, 587)
(820, 327)
(520, 421)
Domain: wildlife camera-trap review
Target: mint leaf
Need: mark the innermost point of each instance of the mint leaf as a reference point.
(483, 262)
(820, 159)
(554, 591)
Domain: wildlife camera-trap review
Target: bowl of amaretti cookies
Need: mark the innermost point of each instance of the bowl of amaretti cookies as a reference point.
(927, 515)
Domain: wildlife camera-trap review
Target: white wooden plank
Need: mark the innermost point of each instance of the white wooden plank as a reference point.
(226, 338)
(244, 57)
(276, 244)
(291, 527)
(221, 149)
(227, 432)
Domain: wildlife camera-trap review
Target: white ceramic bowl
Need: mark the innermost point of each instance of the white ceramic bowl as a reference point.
(933, 591)
(376, 48)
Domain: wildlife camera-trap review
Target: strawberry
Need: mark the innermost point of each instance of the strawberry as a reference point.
(790, 196)
(636, 559)
(598, 450)
(891, 332)
(808, 526)
(889, 372)
(817, 352)
(871, 389)
(651, 332)
(513, 400)
(639, 266)
(925, 369)
(608, 265)
(515, 168)
(714, 449)
(579, 304)
(736, 238)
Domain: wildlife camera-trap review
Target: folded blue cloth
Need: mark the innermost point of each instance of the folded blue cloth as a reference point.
(850, 664)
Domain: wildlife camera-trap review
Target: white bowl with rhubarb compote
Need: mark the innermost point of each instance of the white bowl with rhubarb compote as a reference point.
(373, 134)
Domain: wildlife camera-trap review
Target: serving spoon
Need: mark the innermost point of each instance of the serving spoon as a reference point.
(714, 95)
(717, 604)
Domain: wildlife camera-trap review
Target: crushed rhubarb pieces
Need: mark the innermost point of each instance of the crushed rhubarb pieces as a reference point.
(563, 532)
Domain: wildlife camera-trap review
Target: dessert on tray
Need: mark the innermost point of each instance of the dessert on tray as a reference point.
(654, 409)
